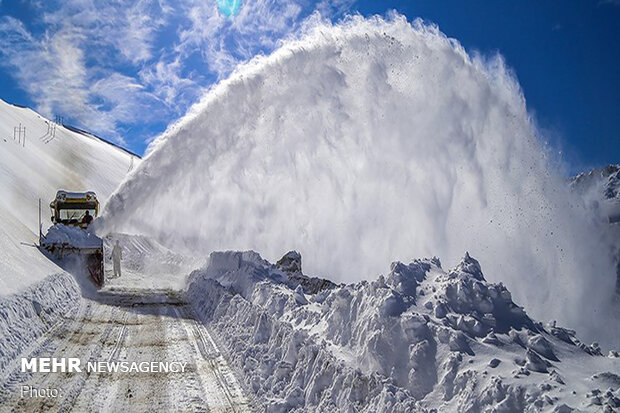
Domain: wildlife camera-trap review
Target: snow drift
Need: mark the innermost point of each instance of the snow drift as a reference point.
(371, 141)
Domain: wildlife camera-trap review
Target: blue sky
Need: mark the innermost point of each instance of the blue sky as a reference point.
(126, 69)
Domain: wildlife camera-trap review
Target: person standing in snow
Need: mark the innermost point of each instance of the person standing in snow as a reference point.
(117, 256)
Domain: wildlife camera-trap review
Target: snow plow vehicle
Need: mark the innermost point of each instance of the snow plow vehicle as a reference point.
(69, 238)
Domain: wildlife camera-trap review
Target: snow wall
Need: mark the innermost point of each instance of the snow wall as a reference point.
(371, 141)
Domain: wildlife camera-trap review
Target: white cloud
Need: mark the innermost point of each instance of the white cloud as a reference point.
(128, 27)
(174, 89)
(51, 69)
(107, 64)
(53, 66)
(225, 41)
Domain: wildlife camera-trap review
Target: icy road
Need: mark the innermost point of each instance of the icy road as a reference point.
(129, 326)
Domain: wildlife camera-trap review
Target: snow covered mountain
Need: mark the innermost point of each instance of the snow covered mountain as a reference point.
(52, 157)
(600, 189)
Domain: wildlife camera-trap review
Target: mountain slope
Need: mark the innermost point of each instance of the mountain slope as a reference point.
(36, 169)
(600, 190)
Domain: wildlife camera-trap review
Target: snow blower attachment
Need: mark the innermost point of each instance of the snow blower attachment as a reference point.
(69, 238)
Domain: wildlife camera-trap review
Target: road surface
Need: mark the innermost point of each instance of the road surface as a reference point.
(132, 326)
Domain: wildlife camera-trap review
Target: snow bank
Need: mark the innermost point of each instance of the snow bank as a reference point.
(368, 142)
(240, 271)
(417, 338)
(28, 315)
(285, 368)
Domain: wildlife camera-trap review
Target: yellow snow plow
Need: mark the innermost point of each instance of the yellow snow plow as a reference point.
(72, 213)
(71, 208)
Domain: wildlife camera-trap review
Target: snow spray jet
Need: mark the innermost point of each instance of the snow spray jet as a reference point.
(370, 141)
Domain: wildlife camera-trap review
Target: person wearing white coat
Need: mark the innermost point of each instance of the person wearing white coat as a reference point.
(117, 256)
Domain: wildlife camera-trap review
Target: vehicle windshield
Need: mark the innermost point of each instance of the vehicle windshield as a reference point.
(74, 214)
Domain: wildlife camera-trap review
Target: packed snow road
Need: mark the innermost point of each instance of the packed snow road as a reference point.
(129, 326)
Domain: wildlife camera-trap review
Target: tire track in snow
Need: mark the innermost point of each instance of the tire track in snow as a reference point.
(224, 394)
(81, 337)
(130, 327)
(73, 394)
(102, 389)
(189, 391)
(46, 344)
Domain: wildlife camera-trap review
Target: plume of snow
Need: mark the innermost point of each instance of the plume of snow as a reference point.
(368, 141)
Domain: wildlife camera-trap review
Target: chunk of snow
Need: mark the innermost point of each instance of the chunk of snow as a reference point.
(71, 236)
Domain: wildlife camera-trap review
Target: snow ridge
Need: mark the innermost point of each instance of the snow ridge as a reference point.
(416, 339)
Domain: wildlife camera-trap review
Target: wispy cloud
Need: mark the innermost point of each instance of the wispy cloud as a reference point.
(166, 79)
(224, 41)
(71, 67)
(50, 69)
(106, 65)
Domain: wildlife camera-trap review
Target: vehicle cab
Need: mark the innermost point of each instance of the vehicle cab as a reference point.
(69, 208)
